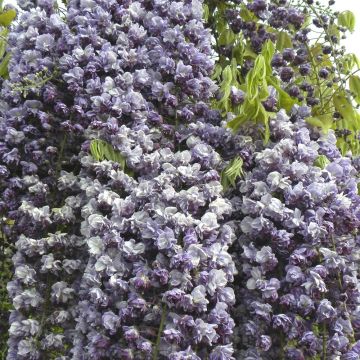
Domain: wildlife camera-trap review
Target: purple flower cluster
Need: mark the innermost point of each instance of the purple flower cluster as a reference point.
(141, 253)
(159, 264)
(40, 137)
(300, 211)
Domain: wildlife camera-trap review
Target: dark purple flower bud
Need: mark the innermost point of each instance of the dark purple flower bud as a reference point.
(264, 342)
(311, 101)
(286, 74)
(270, 103)
(294, 91)
(327, 50)
(257, 6)
(324, 73)
(305, 69)
(277, 60)
(288, 54)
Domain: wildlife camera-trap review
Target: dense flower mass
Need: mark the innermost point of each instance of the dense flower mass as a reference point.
(153, 230)
(40, 137)
(159, 263)
(301, 213)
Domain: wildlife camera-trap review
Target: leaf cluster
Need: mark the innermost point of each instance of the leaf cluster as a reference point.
(242, 66)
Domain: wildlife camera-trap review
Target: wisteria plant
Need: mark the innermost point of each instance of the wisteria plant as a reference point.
(179, 180)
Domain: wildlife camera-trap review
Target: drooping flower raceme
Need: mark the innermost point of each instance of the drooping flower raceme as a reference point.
(159, 273)
(159, 268)
(41, 134)
(301, 213)
(127, 74)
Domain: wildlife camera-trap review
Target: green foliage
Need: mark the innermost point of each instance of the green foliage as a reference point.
(7, 17)
(4, 66)
(283, 41)
(322, 161)
(347, 19)
(101, 150)
(337, 93)
(232, 172)
(354, 85)
(33, 83)
(256, 89)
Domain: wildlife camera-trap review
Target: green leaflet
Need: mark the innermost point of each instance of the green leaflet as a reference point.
(255, 78)
(225, 87)
(217, 72)
(4, 65)
(268, 52)
(3, 42)
(283, 41)
(324, 122)
(238, 52)
(246, 14)
(206, 12)
(322, 161)
(249, 111)
(232, 172)
(347, 111)
(226, 37)
(7, 17)
(101, 150)
(348, 61)
(347, 19)
(354, 85)
(256, 89)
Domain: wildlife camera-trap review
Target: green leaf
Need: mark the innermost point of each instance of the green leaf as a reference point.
(249, 111)
(356, 60)
(285, 100)
(245, 14)
(307, 22)
(238, 52)
(226, 37)
(354, 85)
(283, 41)
(248, 52)
(217, 72)
(7, 17)
(347, 111)
(206, 13)
(322, 161)
(101, 150)
(323, 122)
(255, 78)
(347, 19)
(3, 42)
(232, 172)
(268, 52)
(4, 66)
(227, 75)
(333, 30)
